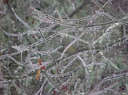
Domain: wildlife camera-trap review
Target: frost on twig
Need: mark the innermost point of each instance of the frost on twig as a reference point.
(20, 48)
(72, 49)
(23, 22)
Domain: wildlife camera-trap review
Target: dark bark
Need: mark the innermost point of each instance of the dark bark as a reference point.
(1, 84)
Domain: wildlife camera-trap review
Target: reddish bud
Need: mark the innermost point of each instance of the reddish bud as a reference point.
(33, 21)
(33, 36)
(39, 61)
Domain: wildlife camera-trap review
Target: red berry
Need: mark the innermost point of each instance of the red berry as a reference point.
(5, 1)
(64, 87)
(43, 68)
(54, 92)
